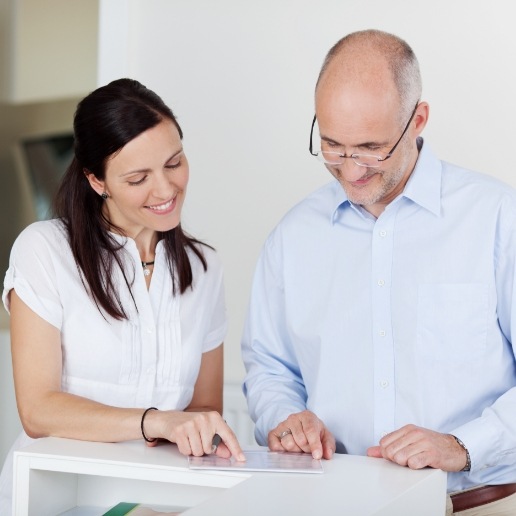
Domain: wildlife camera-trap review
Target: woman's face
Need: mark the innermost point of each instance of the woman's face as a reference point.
(146, 182)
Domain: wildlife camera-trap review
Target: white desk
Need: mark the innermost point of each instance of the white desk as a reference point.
(53, 475)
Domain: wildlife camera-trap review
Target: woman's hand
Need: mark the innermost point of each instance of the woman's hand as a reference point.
(193, 432)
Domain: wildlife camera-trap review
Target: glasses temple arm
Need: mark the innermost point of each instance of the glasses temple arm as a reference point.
(310, 148)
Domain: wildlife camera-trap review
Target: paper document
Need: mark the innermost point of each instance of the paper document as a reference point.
(261, 460)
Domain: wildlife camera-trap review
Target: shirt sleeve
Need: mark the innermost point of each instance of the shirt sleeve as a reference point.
(32, 274)
(273, 384)
(217, 329)
(491, 438)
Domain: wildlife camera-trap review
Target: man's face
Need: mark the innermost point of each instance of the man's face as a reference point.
(357, 121)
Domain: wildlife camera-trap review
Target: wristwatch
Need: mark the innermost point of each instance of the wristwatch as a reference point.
(467, 467)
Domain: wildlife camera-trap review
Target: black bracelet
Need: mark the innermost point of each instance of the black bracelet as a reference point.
(467, 467)
(141, 425)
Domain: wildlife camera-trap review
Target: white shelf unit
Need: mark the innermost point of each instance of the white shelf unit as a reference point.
(55, 475)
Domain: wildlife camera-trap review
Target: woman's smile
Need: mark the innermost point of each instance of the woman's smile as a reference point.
(163, 209)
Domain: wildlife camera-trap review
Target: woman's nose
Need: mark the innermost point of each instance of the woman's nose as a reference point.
(163, 186)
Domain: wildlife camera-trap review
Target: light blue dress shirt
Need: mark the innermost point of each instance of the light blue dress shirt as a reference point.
(373, 324)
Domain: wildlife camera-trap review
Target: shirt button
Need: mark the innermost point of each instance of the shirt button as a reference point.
(383, 233)
(384, 384)
(381, 283)
(382, 333)
(149, 330)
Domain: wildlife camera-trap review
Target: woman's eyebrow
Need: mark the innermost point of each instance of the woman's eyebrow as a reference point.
(145, 170)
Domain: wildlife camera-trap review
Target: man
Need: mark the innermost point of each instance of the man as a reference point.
(382, 308)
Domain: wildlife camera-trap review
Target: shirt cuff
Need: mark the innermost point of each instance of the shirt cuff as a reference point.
(482, 441)
(271, 418)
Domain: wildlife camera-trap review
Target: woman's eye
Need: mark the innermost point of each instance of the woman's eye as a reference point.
(173, 164)
(139, 182)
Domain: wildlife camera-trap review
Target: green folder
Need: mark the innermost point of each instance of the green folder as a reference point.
(121, 508)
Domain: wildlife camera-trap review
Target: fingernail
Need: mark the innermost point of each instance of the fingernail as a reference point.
(317, 454)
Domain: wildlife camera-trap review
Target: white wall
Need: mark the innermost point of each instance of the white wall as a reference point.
(40, 42)
(240, 77)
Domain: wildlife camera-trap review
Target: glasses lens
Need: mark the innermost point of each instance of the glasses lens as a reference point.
(330, 158)
(336, 158)
(366, 160)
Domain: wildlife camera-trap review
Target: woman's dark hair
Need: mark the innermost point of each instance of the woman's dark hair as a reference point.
(105, 121)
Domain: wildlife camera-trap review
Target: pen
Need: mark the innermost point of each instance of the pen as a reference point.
(215, 442)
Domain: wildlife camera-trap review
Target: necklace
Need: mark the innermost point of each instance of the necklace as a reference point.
(146, 270)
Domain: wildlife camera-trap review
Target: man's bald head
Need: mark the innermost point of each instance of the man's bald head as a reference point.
(373, 58)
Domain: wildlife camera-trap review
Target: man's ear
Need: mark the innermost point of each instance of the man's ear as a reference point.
(97, 184)
(421, 117)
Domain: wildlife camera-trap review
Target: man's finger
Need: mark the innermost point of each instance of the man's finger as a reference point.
(374, 451)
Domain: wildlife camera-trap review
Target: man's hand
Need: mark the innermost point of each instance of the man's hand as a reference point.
(303, 432)
(418, 448)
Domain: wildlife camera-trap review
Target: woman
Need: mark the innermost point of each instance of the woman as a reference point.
(115, 312)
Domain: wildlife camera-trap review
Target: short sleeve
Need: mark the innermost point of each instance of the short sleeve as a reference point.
(32, 271)
(203, 311)
(218, 326)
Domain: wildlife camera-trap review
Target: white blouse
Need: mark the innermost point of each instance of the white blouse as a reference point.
(153, 358)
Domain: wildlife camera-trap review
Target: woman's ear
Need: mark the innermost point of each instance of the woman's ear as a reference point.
(97, 184)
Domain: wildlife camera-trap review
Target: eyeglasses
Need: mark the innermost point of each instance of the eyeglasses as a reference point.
(362, 160)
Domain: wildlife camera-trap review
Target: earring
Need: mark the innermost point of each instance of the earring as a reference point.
(104, 195)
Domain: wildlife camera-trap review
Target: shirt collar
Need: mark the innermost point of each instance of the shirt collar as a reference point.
(423, 186)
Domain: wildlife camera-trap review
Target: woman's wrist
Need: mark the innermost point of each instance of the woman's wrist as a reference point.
(146, 424)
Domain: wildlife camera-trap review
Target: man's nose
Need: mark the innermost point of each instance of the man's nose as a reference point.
(350, 171)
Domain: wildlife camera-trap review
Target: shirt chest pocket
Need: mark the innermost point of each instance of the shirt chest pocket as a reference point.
(452, 321)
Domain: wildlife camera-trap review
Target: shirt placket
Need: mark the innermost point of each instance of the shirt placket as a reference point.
(382, 337)
(149, 352)
(148, 338)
